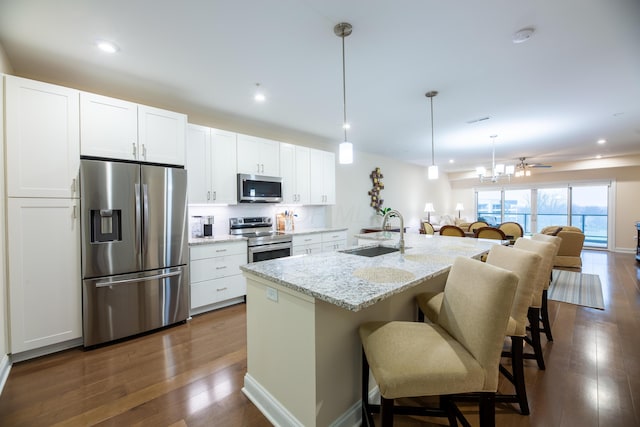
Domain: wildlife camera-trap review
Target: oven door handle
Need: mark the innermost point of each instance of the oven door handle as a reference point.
(269, 247)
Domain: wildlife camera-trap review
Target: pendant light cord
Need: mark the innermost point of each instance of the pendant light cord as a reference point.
(433, 162)
(344, 91)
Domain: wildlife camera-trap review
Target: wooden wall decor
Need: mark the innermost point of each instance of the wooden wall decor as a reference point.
(376, 177)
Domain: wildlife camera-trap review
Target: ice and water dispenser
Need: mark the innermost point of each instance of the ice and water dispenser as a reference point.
(105, 225)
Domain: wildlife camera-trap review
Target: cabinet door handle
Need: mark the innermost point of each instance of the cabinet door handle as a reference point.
(221, 289)
(144, 151)
(133, 144)
(221, 267)
(214, 195)
(221, 250)
(75, 214)
(258, 167)
(208, 195)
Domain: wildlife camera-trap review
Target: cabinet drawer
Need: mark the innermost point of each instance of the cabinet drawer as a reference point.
(218, 249)
(307, 249)
(213, 291)
(333, 236)
(306, 239)
(213, 268)
(334, 246)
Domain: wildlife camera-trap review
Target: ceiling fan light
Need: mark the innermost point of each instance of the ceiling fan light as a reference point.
(345, 153)
(481, 171)
(499, 170)
(510, 169)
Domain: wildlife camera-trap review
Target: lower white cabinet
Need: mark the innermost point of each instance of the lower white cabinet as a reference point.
(44, 272)
(215, 275)
(334, 241)
(308, 244)
(314, 243)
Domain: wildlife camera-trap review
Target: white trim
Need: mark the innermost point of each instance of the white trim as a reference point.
(216, 306)
(43, 351)
(5, 367)
(353, 416)
(270, 407)
(625, 250)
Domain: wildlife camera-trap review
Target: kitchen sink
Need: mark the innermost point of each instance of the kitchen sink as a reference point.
(370, 251)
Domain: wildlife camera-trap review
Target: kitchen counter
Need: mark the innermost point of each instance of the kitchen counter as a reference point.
(303, 313)
(194, 241)
(315, 230)
(342, 279)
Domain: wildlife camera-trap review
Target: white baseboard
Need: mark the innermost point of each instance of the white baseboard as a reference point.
(270, 407)
(216, 306)
(279, 416)
(43, 351)
(5, 367)
(625, 250)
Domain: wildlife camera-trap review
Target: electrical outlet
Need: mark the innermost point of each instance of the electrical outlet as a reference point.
(272, 294)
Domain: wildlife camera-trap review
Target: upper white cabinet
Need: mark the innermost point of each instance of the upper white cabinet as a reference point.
(117, 129)
(211, 165)
(323, 177)
(108, 127)
(258, 156)
(294, 169)
(161, 135)
(42, 139)
(44, 273)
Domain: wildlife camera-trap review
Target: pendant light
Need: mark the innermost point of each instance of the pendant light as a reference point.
(433, 169)
(345, 154)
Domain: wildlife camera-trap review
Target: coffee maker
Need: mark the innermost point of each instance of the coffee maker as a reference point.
(202, 226)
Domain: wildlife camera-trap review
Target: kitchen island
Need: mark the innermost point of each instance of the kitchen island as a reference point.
(303, 314)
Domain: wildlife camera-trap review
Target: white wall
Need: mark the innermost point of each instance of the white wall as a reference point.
(406, 189)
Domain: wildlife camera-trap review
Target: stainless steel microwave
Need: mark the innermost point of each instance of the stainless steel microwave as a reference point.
(259, 189)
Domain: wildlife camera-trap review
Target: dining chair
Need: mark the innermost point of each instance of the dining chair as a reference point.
(546, 250)
(427, 228)
(460, 353)
(525, 264)
(477, 224)
(513, 229)
(452, 230)
(489, 233)
(544, 304)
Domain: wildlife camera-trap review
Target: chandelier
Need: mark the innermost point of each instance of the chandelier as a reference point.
(432, 172)
(498, 171)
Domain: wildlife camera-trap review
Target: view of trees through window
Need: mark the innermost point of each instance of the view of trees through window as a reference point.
(585, 207)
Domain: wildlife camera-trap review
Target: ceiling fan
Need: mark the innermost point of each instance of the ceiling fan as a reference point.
(523, 168)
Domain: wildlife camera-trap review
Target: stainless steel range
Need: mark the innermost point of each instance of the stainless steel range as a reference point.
(264, 242)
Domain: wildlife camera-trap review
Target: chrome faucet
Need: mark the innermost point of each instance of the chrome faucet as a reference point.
(399, 215)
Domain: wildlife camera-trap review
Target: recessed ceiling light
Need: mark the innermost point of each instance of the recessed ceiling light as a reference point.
(523, 35)
(106, 46)
(602, 141)
(598, 156)
(259, 95)
(451, 161)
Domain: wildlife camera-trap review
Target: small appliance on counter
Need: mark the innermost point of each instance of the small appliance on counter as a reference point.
(202, 226)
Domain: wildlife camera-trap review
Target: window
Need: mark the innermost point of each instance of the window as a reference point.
(583, 206)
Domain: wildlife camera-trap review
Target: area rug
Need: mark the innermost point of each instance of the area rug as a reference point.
(576, 288)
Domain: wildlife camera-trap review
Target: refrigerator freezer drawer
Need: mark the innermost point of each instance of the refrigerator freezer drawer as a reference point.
(120, 306)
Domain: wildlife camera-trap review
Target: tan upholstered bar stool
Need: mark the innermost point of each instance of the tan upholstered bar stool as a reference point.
(526, 265)
(458, 354)
(546, 250)
(544, 305)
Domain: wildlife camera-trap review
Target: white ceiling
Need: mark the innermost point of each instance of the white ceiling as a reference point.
(549, 99)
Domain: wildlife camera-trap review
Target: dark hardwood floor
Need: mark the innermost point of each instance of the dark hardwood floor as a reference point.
(191, 374)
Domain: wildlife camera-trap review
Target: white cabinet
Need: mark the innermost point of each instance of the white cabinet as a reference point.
(215, 275)
(334, 241)
(44, 272)
(108, 127)
(42, 139)
(306, 244)
(117, 129)
(294, 170)
(323, 177)
(258, 156)
(161, 135)
(211, 165)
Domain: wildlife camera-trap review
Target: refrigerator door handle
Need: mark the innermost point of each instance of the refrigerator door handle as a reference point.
(138, 217)
(145, 218)
(137, 279)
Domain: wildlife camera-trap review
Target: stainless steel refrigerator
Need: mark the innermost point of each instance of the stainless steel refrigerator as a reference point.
(134, 248)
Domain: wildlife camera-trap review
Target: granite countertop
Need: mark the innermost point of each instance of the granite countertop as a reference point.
(354, 282)
(194, 241)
